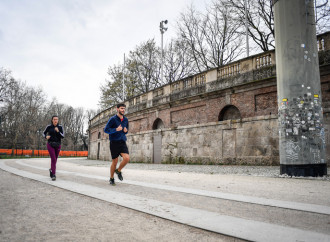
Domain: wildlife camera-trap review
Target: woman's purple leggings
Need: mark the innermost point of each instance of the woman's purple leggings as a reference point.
(53, 152)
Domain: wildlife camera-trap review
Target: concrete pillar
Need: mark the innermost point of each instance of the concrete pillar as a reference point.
(301, 131)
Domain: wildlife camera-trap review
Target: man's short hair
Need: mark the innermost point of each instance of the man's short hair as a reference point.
(121, 105)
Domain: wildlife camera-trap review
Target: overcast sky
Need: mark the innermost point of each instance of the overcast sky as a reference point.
(66, 46)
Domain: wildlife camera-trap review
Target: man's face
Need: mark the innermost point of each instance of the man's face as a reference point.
(121, 110)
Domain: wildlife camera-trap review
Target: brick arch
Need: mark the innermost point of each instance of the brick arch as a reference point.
(229, 112)
(158, 124)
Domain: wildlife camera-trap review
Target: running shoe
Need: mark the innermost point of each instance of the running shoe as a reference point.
(112, 181)
(120, 177)
(53, 178)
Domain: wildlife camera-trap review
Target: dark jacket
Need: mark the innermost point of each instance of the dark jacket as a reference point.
(54, 136)
(111, 126)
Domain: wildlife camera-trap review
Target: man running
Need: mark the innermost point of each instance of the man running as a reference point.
(117, 128)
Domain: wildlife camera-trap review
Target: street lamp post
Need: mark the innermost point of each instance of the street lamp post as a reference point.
(124, 78)
(162, 31)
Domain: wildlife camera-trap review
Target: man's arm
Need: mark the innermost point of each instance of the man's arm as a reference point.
(126, 129)
(108, 128)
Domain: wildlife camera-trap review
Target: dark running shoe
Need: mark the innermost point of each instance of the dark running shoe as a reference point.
(120, 177)
(53, 178)
(112, 181)
(50, 173)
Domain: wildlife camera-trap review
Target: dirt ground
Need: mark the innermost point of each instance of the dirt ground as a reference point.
(33, 211)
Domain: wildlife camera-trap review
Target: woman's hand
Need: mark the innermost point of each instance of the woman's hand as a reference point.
(48, 137)
(56, 129)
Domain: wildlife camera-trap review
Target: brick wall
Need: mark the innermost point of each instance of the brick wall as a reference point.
(249, 141)
(192, 132)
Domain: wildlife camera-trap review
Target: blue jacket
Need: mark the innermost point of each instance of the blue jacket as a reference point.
(111, 126)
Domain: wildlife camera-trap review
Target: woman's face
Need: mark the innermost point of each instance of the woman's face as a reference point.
(55, 121)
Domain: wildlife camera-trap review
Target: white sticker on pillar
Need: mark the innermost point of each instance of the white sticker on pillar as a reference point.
(295, 131)
(303, 45)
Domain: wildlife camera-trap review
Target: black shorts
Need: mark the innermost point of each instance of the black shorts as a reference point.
(118, 147)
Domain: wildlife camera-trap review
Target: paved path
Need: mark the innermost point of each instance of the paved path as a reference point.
(255, 207)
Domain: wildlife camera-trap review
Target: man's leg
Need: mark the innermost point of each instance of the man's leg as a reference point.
(124, 162)
(113, 167)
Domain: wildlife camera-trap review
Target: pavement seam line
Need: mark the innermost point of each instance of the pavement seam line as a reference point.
(305, 207)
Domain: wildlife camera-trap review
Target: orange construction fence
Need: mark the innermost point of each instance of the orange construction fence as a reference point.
(41, 152)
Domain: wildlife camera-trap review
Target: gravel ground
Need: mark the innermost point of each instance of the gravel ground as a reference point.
(33, 211)
(266, 171)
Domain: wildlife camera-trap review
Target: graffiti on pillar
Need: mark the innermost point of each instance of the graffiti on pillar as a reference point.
(315, 154)
(292, 150)
(322, 137)
(300, 122)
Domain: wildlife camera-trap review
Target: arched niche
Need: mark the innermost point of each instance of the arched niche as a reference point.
(158, 124)
(229, 112)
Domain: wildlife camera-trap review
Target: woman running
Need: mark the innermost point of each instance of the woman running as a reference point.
(53, 133)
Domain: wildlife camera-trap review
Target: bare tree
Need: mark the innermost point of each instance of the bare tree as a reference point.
(73, 121)
(75, 125)
(25, 114)
(142, 71)
(90, 113)
(322, 16)
(121, 85)
(32, 114)
(212, 38)
(13, 115)
(112, 90)
(220, 29)
(189, 29)
(144, 67)
(178, 63)
(260, 20)
(6, 82)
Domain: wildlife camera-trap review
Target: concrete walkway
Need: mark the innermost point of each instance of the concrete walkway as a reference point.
(203, 201)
